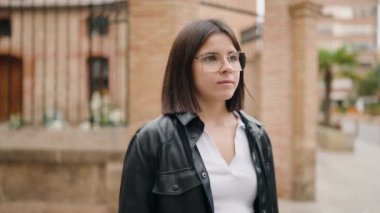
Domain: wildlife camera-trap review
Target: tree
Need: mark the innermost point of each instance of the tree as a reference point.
(369, 84)
(330, 60)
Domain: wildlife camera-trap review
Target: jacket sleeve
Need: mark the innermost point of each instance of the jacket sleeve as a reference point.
(272, 178)
(137, 179)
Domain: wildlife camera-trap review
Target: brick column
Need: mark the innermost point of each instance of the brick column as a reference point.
(288, 93)
(305, 97)
(275, 90)
(153, 27)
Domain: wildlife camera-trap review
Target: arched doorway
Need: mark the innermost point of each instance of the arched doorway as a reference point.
(10, 87)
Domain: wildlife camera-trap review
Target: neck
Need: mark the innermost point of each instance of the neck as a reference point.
(214, 113)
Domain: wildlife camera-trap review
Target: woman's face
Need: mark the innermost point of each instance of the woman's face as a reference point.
(215, 84)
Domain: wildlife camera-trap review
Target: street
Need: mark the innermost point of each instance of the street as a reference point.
(346, 182)
(369, 132)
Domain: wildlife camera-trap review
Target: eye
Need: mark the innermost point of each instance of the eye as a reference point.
(210, 58)
(234, 57)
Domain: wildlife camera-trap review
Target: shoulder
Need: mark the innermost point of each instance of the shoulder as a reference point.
(254, 126)
(250, 120)
(256, 129)
(160, 129)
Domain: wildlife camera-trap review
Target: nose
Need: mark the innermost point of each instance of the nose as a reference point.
(226, 66)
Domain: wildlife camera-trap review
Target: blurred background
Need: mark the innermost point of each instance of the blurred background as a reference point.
(79, 77)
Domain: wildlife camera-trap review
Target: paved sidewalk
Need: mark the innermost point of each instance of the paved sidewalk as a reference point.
(346, 182)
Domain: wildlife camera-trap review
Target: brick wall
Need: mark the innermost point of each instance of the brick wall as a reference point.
(153, 27)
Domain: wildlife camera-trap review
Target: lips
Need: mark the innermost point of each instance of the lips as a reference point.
(226, 82)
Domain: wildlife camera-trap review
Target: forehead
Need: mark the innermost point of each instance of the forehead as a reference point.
(217, 42)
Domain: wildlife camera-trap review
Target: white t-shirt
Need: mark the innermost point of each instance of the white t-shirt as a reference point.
(234, 186)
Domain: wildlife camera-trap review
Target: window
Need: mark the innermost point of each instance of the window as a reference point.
(98, 25)
(362, 46)
(98, 75)
(365, 64)
(325, 29)
(252, 33)
(353, 30)
(338, 12)
(364, 11)
(5, 27)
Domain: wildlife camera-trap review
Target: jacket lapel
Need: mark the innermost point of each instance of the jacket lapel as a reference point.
(193, 128)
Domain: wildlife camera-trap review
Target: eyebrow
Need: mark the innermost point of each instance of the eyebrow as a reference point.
(211, 53)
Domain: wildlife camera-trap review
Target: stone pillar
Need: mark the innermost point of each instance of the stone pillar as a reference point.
(153, 27)
(288, 93)
(305, 97)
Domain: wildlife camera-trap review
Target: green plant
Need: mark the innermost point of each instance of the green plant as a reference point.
(329, 60)
(369, 84)
(15, 121)
(103, 113)
(53, 119)
(372, 109)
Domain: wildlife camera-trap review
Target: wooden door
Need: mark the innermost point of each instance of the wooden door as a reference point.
(10, 87)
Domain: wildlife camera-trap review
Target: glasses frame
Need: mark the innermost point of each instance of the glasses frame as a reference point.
(242, 60)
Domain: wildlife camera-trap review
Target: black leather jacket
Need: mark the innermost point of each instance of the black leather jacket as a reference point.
(163, 171)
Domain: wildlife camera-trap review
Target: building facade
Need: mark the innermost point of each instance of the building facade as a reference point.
(64, 52)
(350, 23)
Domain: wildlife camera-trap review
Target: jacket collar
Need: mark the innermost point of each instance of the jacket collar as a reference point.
(247, 119)
(186, 117)
(193, 125)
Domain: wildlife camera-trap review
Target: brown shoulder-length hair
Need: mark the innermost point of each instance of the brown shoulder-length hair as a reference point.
(178, 92)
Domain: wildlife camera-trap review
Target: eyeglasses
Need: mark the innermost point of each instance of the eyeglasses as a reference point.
(212, 62)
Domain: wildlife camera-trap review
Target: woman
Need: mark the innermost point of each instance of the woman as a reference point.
(203, 154)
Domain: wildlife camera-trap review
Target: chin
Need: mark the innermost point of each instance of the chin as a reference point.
(226, 97)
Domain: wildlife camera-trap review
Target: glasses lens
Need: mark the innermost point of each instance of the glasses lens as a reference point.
(214, 61)
(234, 61)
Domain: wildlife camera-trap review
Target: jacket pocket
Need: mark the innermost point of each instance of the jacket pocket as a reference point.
(175, 183)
